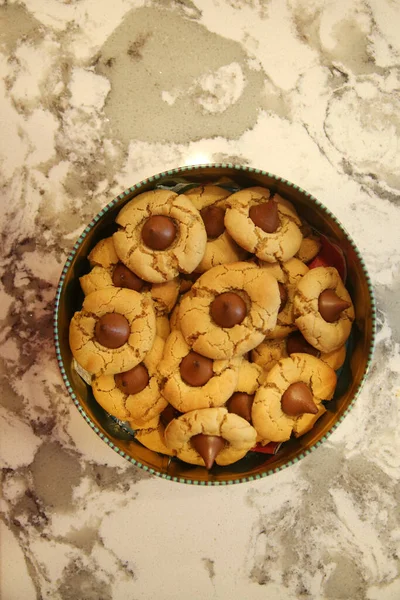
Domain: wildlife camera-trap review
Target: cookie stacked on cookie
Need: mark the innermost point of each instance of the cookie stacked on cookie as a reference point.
(203, 327)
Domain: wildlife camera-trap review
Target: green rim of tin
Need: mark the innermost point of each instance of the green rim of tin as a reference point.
(123, 195)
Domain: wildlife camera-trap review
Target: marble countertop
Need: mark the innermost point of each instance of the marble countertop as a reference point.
(95, 96)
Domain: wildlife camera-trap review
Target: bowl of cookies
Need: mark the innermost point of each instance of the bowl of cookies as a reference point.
(214, 324)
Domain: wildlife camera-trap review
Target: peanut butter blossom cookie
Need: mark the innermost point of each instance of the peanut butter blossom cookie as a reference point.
(108, 271)
(134, 394)
(250, 378)
(191, 380)
(288, 275)
(203, 436)
(323, 309)
(293, 389)
(229, 310)
(113, 332)
(202, 327)
(263, 224)
(211, 201)
(161, 234)
(270, 351)
(309, 248)
(153, 437)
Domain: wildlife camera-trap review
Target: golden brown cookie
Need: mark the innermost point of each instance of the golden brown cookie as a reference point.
(102, 259)
(162, 326)
(165, 295)
(160, 235)
(334, 359)
(282, 399)
(152, 437)
(133, 395)
(267, 226)
(108, 271)
(306, 422)
(323, 335)
(103, 254)
(229, 310)
(309, 248)
(174, 318)
(238, 435)
(97, 279)
(207, 195)
(210, 201)
(269, 352)
(186, 281)
(251, 376)
(113, 332)
(188, 385)
(288, 275)
(146, 425)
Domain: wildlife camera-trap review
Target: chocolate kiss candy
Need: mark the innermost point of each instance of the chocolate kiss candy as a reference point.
(132, 381)
(298, 400)
(330, 305)
(112, 330)
(240, 404)
(213, 218)
(169, 414)
(208, 446)
(228, 309)
(297, 343)
(283, 295)
(196, 369)
(158, 232)
(124, 278)
(265, 216)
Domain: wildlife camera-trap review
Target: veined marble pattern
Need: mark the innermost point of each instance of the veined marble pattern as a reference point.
(96, 95)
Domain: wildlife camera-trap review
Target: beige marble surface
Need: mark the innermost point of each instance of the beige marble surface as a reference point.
(96, 95)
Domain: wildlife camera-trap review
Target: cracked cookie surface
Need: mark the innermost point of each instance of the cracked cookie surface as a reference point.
(185, 397)
(163, 326)
(281, 244)
(269, 352)
(268, 417)
(103, 254)
(140, 407)
(309, 248)
(255, 286)
(220, 248)
(98, 359)
(324, 336)
(251, 376)
(288, 274)
(153, 438)
(104, 261)
(238, 434)
(184, 253)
